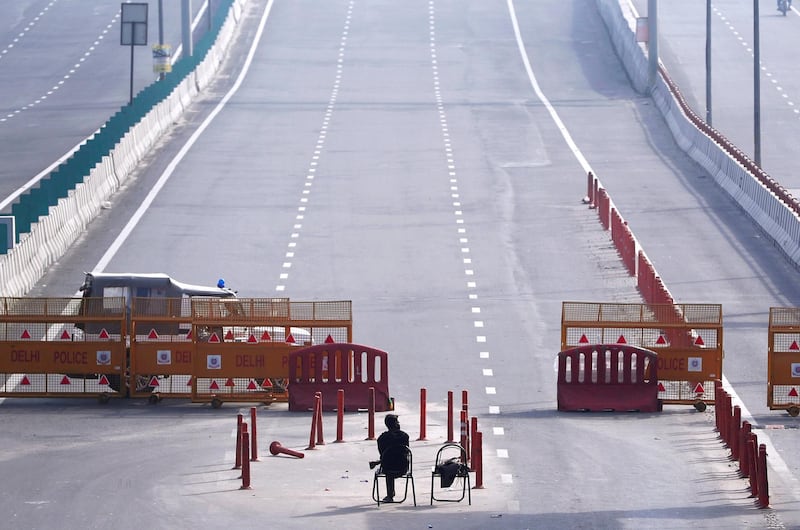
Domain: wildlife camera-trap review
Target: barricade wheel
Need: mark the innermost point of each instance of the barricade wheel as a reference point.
(216, 403)
(103, 398)
(793, 411)
(154, 399)
(700, 406)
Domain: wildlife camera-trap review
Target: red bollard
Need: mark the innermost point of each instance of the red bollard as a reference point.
(450, 438)
(239, 420)
(320, 440)
(473, 429)
(763, 485)
(340, 416)
(314, 416)
(423, 396)
(717, 401)
(736, 428)
(253, 442)
(752, 448)
(275, 448)
(245, 459)
(465, 434)
(477, 463)
(371, 414)
(744, 456)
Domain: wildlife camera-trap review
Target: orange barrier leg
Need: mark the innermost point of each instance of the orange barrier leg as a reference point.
(275, 448)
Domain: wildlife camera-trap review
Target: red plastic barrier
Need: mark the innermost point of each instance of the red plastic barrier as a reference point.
(608, 377)
(328, 368)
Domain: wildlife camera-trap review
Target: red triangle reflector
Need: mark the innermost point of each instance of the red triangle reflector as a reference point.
(229, 335)
(266, 384)
(290, 339)
(699, 389)
(65, 336)
(329, 340)
(265, 336)
(189, 382)
(25, 381)
(230, 382)
(65, 381)
(583, 340)
(189, 335)
(794, 346)
(213, 338)
(699, 341)
(103, 334)
(661, 340)
(103, 380)
(621, 340)
(214, 385)
(153, 335)
(25, 334)
(252, 385)
(153, 381)
(661, 387)
(252, 338)
(793, 392)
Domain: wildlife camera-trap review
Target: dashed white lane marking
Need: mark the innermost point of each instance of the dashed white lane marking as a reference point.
(66, 76)
(283, 277)
(458, 213)
(763, 68)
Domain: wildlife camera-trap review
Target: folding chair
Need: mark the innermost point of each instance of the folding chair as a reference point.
(393, 462)
(451, 466)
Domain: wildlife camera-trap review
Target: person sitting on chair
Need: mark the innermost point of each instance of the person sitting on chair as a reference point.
(398, 466)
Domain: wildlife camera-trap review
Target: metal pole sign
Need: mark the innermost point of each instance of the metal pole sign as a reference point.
(133, 31)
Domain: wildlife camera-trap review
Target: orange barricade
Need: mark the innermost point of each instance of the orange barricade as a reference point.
(783, 360)
(328, 368)
(67, 347)
(242, 346)
(687, 337)
(608, 377)
(161, 348)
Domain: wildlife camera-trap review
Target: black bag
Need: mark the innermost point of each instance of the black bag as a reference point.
(448, 471)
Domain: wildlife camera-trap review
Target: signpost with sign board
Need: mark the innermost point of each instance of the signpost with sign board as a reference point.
(133, 30)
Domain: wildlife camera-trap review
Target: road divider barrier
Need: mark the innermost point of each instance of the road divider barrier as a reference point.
(51, 216)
